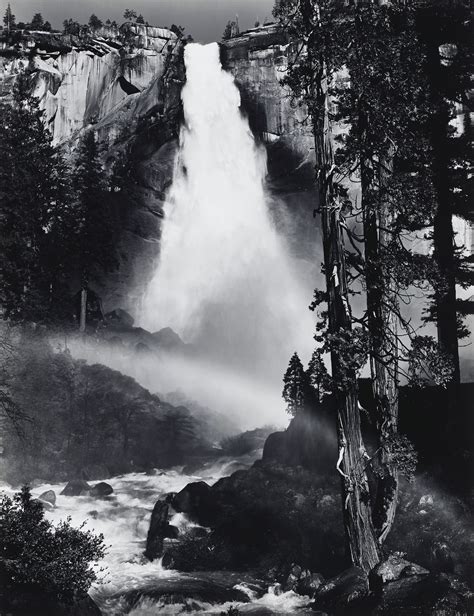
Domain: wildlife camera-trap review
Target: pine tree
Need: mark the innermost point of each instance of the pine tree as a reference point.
(37, 23)
(445, 29)
(32, 197)
(93, 236)
(94, 22)
(296, 386)
(9, 19)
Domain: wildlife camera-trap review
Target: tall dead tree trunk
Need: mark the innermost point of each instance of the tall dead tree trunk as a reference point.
(352, 461)
(382, 324)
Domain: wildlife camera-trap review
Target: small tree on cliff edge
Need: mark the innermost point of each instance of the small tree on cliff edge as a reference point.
(9, 19)
(296, 386)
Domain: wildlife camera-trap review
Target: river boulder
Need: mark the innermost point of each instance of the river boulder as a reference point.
(197, 501)
(158, 530)
(76, 487)
(101, 489)
(48, 497)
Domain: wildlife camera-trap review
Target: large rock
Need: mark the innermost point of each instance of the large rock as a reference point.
(307, 433)
(347, 590)
(392, 568)
(49, 497)
(433, 595)
(196, 501)
(101, 489)
(76, 487)
(158, 530)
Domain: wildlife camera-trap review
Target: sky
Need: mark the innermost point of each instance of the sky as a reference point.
(205, 20)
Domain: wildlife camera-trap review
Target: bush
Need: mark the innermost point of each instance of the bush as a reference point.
(40, 561)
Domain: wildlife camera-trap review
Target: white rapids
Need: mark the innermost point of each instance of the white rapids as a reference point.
(123, 518)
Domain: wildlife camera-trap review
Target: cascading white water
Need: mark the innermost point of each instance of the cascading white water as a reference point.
(224, 280)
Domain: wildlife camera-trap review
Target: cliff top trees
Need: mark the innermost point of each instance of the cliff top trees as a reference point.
(37, 23)
(9, 19)
(94, 22)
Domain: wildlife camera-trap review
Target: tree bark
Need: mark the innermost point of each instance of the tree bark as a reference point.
(351, 463)
(83, 313)
(382, 323)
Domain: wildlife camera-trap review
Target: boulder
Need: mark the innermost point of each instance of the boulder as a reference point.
(440, 594)
(347, 590)
(171, 532)
(101, 489)
(48, 497)
(76, 487)
(309, 583)
(46, 506)
(392, 568)
(196, 501)
(157, 531)
(119, 317)
(426, 500)
(168, 339)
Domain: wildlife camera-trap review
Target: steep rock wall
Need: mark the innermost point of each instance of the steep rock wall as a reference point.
(125, 85)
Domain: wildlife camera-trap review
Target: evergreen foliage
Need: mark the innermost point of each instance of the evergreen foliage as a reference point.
(41, 561)
(296, 387)
(33, 198)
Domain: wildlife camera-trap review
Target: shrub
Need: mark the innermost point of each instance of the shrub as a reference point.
(40, 560)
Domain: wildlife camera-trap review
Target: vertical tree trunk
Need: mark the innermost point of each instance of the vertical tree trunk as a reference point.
(352, 459)
(83, 313)
(443, 241)
(382, 323)
(443, 233)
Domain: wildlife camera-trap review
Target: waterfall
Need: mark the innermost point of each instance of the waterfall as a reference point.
(225, 281)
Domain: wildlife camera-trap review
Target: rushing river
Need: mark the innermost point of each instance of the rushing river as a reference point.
(123, 518)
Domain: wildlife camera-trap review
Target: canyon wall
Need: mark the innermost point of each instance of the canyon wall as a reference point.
(125, 85)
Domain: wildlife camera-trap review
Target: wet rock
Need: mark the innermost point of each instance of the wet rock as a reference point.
(293, 578)
(442, 558)
(168, 339)
(426, 500)
(197, 532)
(49, 497)
(440, 595)
(348, 589)
(171, 532)
(46, 506)
(94, 514)
(76, 487)
(119, 317)
(195, 500)
(101, 489)
(157, 531)
(394, 567)
(309, 583)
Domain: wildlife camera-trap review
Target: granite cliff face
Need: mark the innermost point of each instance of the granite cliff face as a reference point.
(125, 84)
